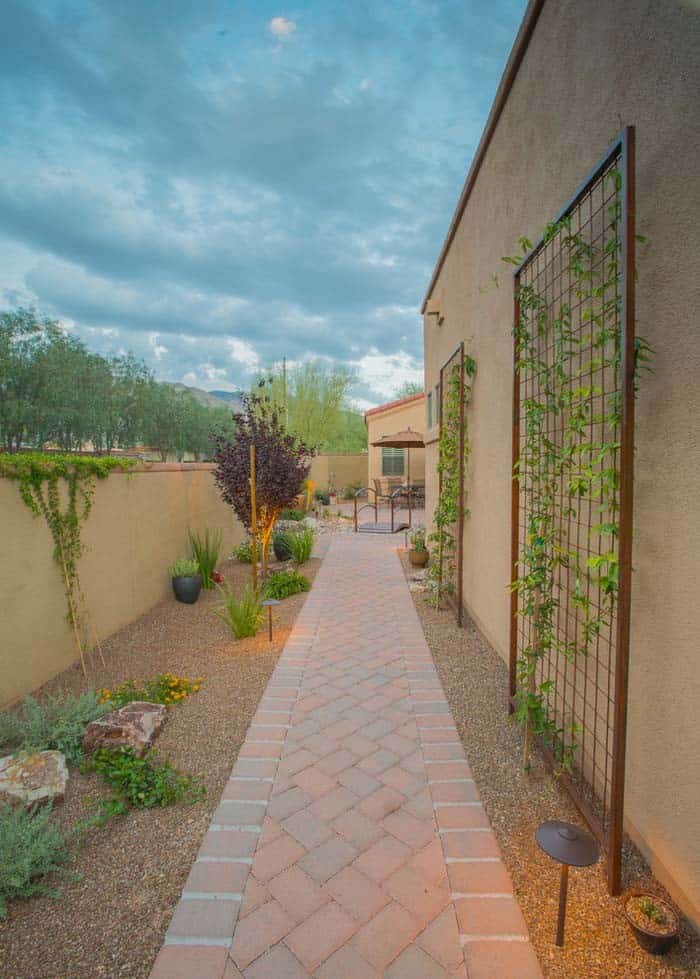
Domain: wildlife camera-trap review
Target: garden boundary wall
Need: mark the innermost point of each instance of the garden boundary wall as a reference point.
(573, 81)
(137, 527)
(339, 470)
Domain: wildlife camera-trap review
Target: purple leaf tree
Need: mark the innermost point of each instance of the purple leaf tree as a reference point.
(282, 463)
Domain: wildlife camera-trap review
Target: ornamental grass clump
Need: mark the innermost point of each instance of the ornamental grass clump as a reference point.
(31, 846)
(243, 614)
(282, 584)
(57, 724)
(205, 551)
(166, 688)
(299, 544)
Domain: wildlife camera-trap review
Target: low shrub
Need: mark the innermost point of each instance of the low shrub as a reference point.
(350, 490)
(184, 567)
(242, 615)
(57, 724)
(417, 539)
(322, 497)
(144, 782)
(244, 552)
(31, 846)
(292, 515)
(282, 584)
(205, 551)
(166, 688)
(300, 544)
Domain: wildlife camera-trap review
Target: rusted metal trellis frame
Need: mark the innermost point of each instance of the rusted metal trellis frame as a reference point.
(455, 597)
(592, 690)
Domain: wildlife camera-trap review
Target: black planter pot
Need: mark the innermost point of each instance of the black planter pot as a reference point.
(652, 942)
(187, 589)
(279, 546)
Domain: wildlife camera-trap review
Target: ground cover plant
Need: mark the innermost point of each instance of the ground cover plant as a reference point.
(32, 844)
(292, 514)
(166, 688)
(282, 584)
(244, 552)
(136, 781)
(56, 724)
(205, 551)
(243, 614)
(298, 543)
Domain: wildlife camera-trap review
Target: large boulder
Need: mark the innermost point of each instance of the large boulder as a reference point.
(34, 778)
(134, 725)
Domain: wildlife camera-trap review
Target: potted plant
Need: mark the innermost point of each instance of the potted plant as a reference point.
(418, 552)
(653, 921)
(187, 581)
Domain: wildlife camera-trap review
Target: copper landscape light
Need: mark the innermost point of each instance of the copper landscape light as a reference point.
(268, 603)
(571, 847)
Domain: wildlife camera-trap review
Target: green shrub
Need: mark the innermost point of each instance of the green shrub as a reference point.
(57, 724)
(279, 545)
(242, 615)
(322, 497)
(31, 846)
(350, 490)
(292, 515)
(417, 539)
(205, 551)
(282, 584)
(244, 552)
(300, 544)
(143, 782)
(184, 567)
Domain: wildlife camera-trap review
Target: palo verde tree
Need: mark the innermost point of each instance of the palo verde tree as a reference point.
(282, 463)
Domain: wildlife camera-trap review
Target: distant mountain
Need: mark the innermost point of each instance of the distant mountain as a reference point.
(209, 398)
(228, 396)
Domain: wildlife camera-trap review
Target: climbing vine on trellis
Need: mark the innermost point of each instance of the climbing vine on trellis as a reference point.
(447, 511)
(41, 478)
(568, 356)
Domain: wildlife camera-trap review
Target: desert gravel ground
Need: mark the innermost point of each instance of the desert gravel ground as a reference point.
(599, 943)
(111, 922)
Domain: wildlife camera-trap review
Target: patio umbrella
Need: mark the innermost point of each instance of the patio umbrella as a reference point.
(407, 439)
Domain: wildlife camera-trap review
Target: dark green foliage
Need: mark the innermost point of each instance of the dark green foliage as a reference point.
(31, 846)
(292, 515)
(282, 584)
(298, 543)
(144, 782)
(323, 497)
(205, 550)
(350, 490)
(57, 724)
(280, 545)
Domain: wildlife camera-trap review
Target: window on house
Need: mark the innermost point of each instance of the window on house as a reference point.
(392, 462)
(429, 408)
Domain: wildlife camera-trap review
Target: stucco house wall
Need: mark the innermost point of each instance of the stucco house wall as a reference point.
(388, 419)
(586, 71)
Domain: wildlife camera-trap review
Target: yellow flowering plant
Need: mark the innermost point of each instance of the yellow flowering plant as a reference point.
(166, 688)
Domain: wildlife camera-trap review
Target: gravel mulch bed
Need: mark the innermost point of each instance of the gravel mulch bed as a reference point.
(111, 922)
(599, 943)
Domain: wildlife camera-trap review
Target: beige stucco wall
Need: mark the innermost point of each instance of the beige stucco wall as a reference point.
(137, 527)
(389, 422)
(582, 78)
(339, 470)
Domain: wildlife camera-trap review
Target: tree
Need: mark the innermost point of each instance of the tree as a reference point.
(408, 388)
(282, 463)
(312, 402)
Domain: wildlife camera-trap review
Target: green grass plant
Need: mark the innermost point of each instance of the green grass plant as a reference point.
(205, 551)
(243, 614)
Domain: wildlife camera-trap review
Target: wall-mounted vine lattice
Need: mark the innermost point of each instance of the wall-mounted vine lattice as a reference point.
(447, 538)
(61, 488)
(574, 385)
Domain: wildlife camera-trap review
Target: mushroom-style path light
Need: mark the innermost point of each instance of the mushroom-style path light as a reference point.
(268, 603)
(572, 847)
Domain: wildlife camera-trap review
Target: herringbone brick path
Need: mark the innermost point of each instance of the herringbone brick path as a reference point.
(350, 842)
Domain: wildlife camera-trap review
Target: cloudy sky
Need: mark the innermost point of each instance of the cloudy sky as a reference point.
(214, 184)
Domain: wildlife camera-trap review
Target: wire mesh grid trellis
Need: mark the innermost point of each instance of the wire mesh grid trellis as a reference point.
(572, 492)
(451, 479)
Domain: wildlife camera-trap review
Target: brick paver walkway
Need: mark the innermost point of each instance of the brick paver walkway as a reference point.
(350, 842)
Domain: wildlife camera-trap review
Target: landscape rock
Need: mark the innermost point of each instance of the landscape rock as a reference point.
(33, 778)
(134, 725)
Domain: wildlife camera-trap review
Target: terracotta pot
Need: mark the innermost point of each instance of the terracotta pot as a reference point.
(418, 559)
(652, 941)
